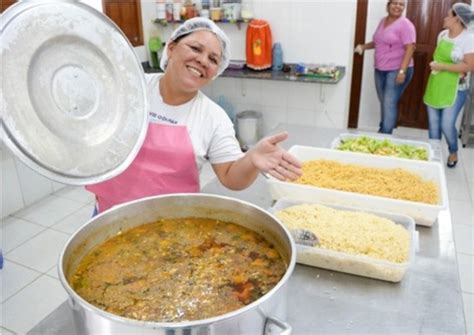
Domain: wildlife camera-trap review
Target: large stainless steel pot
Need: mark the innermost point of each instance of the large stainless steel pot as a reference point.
(261, 316)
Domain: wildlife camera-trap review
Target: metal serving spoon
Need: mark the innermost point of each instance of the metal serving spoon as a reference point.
(304, 237)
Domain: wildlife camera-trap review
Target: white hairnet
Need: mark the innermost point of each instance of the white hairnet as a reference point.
(465, 13)
(195, 24)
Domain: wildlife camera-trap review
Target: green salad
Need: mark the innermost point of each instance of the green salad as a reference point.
(383, 147)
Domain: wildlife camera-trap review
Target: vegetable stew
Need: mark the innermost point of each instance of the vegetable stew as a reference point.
(179, 269)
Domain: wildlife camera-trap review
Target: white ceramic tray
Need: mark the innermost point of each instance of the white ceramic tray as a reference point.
(346, 136)
(423, 214)
(355, 264)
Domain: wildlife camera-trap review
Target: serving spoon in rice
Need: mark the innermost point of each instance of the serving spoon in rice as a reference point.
(304, 237)
(301, 236)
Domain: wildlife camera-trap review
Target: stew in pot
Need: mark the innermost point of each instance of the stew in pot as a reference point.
(179, 269)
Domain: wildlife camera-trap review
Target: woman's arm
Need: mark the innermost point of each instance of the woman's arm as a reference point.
(368, 46)
(266, 156)
(409, 50)
(360, 48)
(467, 65)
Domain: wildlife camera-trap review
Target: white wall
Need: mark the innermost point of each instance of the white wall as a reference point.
(20, 185)
(148, 8)
(309, 31)
(97, 4)
(369, 108)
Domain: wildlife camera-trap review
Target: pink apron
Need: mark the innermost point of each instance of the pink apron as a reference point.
(165, 164)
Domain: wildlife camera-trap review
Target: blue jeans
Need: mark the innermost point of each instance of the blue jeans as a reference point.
(389, 93)
(443, 120)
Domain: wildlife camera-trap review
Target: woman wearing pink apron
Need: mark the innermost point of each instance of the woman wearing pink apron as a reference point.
(187, 129)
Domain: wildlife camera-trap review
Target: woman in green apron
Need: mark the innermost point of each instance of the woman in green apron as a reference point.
(448, 82)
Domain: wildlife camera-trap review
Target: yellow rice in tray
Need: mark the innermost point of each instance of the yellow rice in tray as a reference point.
(350, 232)
(391, 183)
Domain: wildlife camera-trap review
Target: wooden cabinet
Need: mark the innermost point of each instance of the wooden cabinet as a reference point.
(127, 15)
(5, 4)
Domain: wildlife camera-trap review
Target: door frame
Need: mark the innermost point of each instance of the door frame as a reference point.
(357, 64)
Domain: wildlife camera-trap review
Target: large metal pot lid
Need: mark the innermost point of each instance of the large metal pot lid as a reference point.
(74, 104)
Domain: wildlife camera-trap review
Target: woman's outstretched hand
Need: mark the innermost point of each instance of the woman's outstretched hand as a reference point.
(269, 157)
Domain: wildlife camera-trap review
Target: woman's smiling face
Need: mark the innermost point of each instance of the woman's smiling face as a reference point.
(194, 59)
(395, 8)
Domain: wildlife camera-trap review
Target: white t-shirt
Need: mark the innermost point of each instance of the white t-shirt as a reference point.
(463, 44)
(212, 132)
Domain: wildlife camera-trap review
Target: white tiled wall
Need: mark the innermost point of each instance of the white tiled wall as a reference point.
(309, 31)
(21, 186)
(13, 200)
(283, 102)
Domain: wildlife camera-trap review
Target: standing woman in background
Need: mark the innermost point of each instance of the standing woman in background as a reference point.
(448, 82)
(394, 44)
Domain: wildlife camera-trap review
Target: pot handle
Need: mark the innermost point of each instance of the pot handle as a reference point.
(273, 323)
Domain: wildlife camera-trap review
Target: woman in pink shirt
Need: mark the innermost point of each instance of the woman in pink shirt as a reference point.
(394, 44)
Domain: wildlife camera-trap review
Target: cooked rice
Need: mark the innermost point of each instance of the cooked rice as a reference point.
(391, 183)
(351, 232)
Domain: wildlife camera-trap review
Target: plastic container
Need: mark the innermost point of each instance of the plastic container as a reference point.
(248, 128)
(169, 10)
(346, 136)
(161, 10)
(205, 13)
(424, 214)
(155, 45)
(216, 14)
(355, 264)
(277, 57)
(236, 65)
(177, 10)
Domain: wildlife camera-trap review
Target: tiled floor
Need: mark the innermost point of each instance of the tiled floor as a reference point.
(33, 238)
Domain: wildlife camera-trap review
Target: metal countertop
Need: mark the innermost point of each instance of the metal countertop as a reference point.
(428, 300)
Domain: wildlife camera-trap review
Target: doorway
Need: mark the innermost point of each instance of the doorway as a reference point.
(427, 16)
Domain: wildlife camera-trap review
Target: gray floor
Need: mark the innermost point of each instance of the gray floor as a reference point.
(33, 237)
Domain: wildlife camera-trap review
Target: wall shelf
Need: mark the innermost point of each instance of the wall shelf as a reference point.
(165, 23)
(246, 73)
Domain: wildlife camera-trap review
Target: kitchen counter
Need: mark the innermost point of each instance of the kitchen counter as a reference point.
(428, 299)
(247, 73)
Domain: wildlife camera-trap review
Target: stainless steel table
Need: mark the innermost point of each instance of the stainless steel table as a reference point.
(427, 301)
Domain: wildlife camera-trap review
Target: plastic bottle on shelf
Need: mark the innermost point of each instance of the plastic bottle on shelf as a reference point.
(277, 57)
(177, 10)
(160, 9)
(246, 11)
(155, 45)
(198, 5)
(189, 10)
(169, 10)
